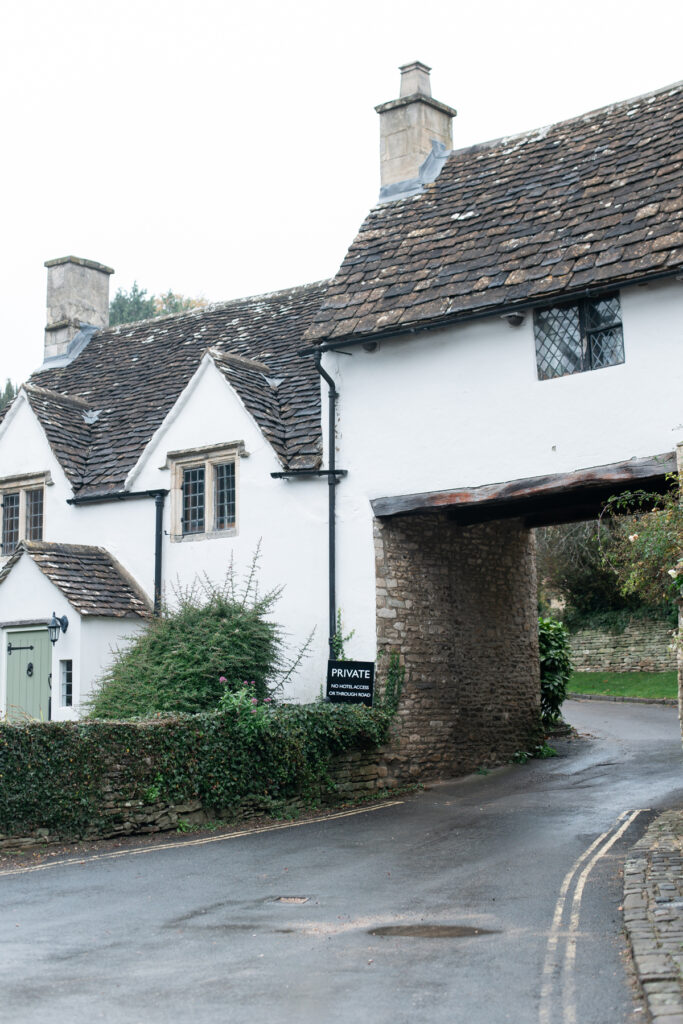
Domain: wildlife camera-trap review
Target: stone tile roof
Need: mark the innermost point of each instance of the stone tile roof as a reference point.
(101, 410)
(593, 201)
(89, 577)
(68, 433)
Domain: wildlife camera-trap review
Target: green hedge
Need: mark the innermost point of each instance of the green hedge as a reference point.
(556, 667)
(54, 775)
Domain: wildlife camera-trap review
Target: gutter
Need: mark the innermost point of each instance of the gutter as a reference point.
(159, 496)
(522, 306)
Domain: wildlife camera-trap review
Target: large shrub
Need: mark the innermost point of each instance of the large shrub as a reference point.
(216, 638)
(553, 642)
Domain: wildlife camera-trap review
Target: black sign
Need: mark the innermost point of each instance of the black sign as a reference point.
(350, 682)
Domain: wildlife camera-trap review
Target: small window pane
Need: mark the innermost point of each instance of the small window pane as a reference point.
(225, 496)
(34, 514)
(558, 342)
(584, 336)
(10, 522)
(603, 313)
(66, 677)
(607, 348)
(193, 500)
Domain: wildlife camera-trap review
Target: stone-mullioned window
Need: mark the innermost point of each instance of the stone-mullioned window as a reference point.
(204, 492)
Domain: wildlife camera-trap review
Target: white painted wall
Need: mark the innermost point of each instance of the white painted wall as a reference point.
(463, 407)
(287, 518)
(24, 450)
(27, 594)
(455, 408)
(126, 529)
(100, 639)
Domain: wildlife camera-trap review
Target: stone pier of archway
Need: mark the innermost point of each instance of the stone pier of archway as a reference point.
(459, 606)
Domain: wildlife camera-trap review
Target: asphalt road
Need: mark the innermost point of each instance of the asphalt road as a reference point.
(500, 894)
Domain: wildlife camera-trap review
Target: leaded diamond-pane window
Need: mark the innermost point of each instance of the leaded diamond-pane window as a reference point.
(10, 522)
(586, 335)
(224, 496)
(193, 500)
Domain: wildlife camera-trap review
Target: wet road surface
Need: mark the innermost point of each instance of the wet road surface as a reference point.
(484, 900)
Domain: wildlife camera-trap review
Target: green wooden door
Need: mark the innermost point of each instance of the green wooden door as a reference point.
(29, 667)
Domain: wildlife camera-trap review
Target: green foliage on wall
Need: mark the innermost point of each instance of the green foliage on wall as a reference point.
(58, 775)
(555, 653)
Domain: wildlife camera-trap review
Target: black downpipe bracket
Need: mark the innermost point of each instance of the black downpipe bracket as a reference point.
(158, 541)
(332, 484)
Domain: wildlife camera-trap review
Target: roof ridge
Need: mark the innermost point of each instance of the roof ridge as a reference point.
(233, 357)
(53, 545)
(218, 305)
(60, 396)
(545, 128)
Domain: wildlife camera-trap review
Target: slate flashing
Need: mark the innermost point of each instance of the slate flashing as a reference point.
(79, 341)
(430, 169)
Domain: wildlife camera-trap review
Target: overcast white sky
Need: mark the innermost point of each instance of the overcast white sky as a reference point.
(224, 148)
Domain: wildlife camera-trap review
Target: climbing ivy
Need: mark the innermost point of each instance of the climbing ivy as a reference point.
(555, 655)
(59, 776)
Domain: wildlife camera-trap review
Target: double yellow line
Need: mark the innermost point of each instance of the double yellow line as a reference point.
(558, 985)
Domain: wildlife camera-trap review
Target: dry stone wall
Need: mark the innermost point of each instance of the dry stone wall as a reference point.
(459, 606)
(642, 647)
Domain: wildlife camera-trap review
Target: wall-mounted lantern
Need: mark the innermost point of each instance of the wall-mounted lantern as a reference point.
(55, 626)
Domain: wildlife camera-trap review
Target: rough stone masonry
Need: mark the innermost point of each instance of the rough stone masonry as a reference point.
(459, 605)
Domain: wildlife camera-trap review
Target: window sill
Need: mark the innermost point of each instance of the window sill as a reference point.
(212, 535)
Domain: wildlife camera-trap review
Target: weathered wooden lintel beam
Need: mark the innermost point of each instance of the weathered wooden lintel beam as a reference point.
(558, 494)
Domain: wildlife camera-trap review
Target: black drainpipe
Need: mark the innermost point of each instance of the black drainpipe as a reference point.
(332, 484)
(158, 541)
(159, 497)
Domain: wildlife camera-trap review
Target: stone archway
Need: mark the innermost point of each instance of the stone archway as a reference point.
(459, 604)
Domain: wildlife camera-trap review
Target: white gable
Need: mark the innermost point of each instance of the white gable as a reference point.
(24, 447)
(208, 412)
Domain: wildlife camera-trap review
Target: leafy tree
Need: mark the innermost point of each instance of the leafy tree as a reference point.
(173, 302)
(572, 566)
(128, 307)
(647, 558)
(8, 394)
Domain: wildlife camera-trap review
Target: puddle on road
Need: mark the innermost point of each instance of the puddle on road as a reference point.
(432, 931)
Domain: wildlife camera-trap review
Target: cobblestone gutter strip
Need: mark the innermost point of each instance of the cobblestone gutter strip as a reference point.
(623, 700)
(653, 916)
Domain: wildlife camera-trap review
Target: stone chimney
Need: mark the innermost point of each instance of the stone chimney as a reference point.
(77, 297)
(409, 125)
